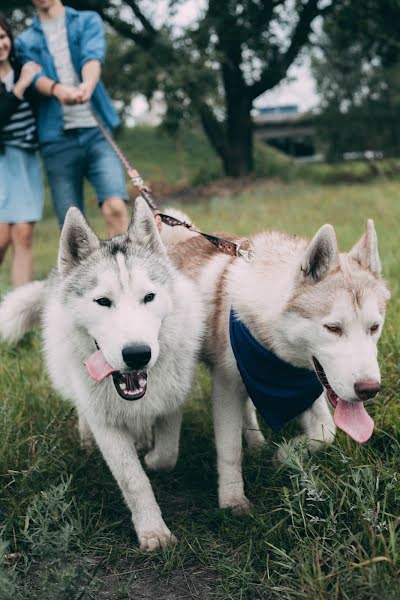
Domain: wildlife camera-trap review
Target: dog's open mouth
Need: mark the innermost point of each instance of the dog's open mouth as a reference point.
(351, 417)
(130, 385)
(332, 397)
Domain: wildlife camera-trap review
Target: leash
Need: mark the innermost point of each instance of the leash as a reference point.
(231, 248)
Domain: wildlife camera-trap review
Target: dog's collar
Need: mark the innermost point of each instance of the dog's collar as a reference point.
(278, 390)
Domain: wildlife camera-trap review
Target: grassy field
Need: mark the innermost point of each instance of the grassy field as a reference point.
(324, 527)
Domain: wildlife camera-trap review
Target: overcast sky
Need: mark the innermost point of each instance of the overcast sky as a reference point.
(299, 88)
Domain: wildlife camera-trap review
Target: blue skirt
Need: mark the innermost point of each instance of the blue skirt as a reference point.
(21, 186)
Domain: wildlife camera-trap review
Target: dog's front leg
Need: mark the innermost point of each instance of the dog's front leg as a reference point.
(228, 404)
(118, 449)
(251, 429)
(167, 431)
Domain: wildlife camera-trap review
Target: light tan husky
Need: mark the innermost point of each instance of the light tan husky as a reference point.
(312, 307)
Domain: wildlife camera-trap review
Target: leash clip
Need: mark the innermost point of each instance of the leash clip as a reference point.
(245, 250)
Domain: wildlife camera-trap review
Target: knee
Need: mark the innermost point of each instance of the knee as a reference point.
(22, 235)
(114, 209)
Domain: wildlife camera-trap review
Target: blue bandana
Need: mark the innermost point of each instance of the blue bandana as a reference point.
(279, 391)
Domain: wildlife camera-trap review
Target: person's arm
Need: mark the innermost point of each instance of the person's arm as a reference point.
(91, 72)
(65, 94)
(92, 40)
(10, 101)
(27, 75)
(93, 47)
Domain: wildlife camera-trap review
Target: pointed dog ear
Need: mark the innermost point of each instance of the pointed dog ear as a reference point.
(77, 241)
(143, 229)
(365, 252)
(321, 254)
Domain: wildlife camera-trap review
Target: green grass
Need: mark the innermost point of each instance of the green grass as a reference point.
(176, 163)
(173, 164)
(360, 171)
(325, 527)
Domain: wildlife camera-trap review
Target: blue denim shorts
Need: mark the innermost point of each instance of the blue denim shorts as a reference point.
(82, 153)
(21, 186)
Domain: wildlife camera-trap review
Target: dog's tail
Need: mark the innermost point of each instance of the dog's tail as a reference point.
(21, 310)
(176, 235)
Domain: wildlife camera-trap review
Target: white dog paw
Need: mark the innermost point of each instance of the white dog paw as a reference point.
(289, 453)
(281, 457)
(155, 462)
(254, 439)
(155, 539)
(238, 505)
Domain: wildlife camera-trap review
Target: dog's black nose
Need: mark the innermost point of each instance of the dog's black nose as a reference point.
(136, 356)
(367, 389)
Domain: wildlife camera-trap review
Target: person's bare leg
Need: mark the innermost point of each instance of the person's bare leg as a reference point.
(5, 239)
(116, 215)
(22, 263)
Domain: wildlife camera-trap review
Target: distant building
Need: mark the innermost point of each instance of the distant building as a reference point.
(286, 129)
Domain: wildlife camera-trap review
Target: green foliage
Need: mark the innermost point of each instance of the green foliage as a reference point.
(358, 77)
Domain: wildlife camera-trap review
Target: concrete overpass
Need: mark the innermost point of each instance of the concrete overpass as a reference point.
(285, 128)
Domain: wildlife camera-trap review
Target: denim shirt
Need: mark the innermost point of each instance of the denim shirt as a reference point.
(86, 39)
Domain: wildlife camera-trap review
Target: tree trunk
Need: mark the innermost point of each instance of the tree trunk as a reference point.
(238, 156)
(232, 140)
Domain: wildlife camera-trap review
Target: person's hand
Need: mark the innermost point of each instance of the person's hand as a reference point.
(67, 94)
(28, 72)
(87, 89)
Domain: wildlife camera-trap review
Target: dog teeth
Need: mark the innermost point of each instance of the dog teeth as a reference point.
(142, 383)
(122, 386)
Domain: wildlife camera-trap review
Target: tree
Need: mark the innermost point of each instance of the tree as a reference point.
(357, 70)
(215, 69)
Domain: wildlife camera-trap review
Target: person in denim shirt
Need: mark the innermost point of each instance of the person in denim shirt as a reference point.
(69, 45)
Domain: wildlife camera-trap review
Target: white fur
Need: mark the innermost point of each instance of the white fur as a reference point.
(171, 325)
(20, 310)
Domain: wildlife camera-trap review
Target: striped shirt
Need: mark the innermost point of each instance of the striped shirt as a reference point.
(20, 130)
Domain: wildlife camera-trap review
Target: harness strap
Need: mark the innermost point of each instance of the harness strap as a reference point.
(243, 250)
(226, 246)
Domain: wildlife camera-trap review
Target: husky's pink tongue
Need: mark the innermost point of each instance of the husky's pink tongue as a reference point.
(354, 420)
(97, 366)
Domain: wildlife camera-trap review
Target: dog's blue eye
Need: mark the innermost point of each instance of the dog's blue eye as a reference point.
(104, 302)
(149, 298)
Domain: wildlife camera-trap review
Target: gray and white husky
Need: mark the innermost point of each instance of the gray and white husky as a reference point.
(308, 306)
(121, 330)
